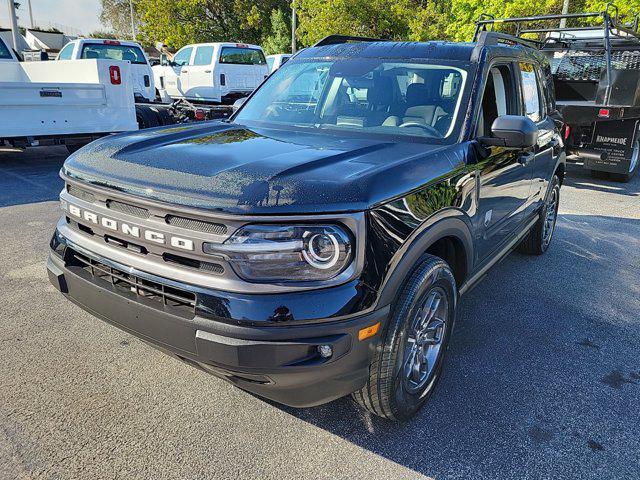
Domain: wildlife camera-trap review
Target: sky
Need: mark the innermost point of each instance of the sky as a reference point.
(81, 15)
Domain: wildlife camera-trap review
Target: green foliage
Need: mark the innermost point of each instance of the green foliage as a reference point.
(103, 34)
(178, 22)
(267, 23)
(279, 41)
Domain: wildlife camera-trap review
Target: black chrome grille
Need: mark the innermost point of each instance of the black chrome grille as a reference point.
(128, 209)
(129, 284)
(198, 225)
(80, 193)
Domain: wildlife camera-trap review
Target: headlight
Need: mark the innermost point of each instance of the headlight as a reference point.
(286, 253)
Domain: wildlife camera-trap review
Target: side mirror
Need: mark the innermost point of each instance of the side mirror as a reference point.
(513, 131)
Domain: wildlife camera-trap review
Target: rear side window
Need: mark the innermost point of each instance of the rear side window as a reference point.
(66, 52)
(531, 92)
(114, 52)
(5, 54)
(242, 56)
(204, 56)
(183, 56)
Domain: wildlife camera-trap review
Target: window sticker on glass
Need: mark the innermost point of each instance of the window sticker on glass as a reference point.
(530, 90)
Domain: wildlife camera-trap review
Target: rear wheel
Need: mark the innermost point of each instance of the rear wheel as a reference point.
(539, 237)
(407, 367)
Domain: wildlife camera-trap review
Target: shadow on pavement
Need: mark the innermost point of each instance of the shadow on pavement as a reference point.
(30, 176)
(543, 375)
(580, 178)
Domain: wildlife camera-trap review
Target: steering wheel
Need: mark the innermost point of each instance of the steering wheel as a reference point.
(431, 130)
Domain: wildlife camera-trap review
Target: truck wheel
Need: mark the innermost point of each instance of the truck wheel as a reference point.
(633, 166)
(408, 363)
(539, 237)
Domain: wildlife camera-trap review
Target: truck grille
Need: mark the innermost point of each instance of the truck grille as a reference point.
(128, 209)
(198, 225)
(128, 284)
(81, 193)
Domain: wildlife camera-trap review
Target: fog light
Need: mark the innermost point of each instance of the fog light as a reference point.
(325, 351)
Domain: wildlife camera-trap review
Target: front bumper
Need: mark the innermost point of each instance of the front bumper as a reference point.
(281, 363)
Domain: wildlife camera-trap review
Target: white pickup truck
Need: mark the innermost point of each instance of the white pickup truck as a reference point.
(211, 72)
(66, 102)
(94, 48)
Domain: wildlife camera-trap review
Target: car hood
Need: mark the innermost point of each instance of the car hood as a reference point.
(237, 169)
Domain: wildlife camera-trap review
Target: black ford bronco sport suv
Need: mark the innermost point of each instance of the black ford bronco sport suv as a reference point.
(316, 244)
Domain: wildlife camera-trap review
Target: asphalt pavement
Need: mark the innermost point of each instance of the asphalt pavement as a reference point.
(542, 380)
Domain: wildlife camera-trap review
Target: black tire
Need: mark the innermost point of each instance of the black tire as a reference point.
(165, 117)
(389, 392)
(146, 117)
(539, 238)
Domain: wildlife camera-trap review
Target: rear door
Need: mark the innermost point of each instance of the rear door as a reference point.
(201, 85)
(240, 68)
(505, 174)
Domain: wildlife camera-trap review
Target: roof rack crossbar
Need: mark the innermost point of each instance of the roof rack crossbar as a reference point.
(338, 39)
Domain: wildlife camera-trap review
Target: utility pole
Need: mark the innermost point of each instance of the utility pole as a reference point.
(565, 10)
(31, 15)
(133, 23)
(14, 24)
(293, 28)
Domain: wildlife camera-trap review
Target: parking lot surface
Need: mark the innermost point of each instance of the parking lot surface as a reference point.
(542, 381)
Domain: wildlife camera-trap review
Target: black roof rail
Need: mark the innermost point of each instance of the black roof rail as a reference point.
(338, 39)
(495, 38)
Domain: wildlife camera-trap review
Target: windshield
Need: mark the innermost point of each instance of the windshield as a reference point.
(5, 54)
(367, 95)
(114, 52)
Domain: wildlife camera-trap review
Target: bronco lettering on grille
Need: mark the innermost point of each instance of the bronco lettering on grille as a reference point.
(128, 229)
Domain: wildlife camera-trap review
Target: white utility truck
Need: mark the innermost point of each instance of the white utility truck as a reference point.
(211, 72)
(68, 102)
(93, 48)
(276, 61)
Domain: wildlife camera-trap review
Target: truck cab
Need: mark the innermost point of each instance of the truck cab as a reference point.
(93, 48)
(212, 72)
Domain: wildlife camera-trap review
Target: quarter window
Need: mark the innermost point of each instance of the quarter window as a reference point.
(531, 92)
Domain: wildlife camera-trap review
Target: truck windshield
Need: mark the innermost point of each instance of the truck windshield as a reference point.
(375, 96)
(114, 52)
(242, 56)
(5, 54)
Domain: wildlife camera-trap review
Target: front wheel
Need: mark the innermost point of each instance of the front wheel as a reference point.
(539, 238)
(408, 364)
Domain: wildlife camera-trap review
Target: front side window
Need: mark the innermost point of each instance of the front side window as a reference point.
(114, 52)
(183, 56)
(375, 96)
(242, 56)
(530, 91)
(203, 56)
(66, 52)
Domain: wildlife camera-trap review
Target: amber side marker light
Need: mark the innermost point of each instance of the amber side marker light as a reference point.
(368, 331)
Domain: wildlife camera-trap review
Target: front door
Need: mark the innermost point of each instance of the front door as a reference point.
(505, 174)
(177, 78)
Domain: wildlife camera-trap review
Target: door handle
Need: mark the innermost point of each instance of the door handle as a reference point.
(525, 158)
(207, 71)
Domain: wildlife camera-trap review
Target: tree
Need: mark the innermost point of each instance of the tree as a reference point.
(116, 16)
(279, 40)
(178, 22)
